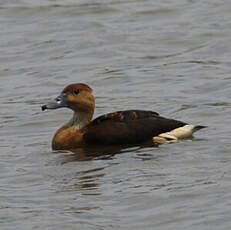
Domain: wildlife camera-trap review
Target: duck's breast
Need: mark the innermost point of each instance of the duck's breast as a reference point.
(67, 138)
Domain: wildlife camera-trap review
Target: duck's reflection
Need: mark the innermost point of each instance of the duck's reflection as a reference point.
(100, 152)
(88, 181)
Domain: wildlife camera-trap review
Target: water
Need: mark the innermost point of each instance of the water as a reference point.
(172, 57)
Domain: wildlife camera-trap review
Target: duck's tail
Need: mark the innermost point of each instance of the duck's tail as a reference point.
(198, 127)
(177, 134)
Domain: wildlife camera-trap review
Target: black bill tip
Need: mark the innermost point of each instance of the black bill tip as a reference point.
(44, 107)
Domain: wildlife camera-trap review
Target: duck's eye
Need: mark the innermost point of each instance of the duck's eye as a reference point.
(76, 91)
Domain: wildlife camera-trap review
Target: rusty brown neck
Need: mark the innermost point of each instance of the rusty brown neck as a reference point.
(80, 119)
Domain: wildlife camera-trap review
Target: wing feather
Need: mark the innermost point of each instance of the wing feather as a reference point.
(128, 127)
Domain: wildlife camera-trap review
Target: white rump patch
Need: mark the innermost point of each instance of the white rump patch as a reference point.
(175, 135)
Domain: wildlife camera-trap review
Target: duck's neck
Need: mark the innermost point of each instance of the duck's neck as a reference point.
(80, 120)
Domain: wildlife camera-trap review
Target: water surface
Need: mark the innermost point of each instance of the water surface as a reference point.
(172, 57)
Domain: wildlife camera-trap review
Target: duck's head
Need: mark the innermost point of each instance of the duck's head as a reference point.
(77, 97)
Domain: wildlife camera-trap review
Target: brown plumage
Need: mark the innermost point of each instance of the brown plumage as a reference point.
(128, 127)
(122, 127)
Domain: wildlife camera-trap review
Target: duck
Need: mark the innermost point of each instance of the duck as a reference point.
(115, 128)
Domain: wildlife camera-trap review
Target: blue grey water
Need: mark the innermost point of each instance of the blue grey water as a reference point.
(173, 57)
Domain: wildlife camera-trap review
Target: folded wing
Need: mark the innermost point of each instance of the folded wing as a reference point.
(128, 127)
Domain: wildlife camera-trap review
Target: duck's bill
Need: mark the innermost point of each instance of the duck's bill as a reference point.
(59, 102)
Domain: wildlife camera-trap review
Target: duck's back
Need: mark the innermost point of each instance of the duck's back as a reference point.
(128, 127)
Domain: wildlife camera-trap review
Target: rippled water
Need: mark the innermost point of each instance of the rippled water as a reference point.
(172, 57)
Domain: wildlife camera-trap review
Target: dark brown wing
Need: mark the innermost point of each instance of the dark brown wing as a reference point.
(128, 127)
(124, 116)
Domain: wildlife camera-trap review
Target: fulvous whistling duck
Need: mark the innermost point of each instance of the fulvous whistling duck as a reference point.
(122, 127)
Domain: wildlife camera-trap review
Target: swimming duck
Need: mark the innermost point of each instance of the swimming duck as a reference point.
(121, 127)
